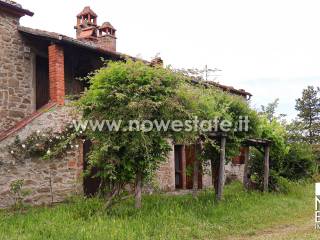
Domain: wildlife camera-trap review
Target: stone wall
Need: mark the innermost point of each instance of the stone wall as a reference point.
(207, 176)
(234, 172)
(165, 176)
(16, 73)
(64, 175)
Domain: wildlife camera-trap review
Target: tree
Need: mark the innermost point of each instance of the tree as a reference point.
(295, 132)
(300, 162)
(133, 91)
(126, 92)
(308, 107)
(269, 111)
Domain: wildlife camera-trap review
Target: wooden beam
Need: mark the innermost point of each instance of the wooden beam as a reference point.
(246, 167)
(266, 168)
(221, 168)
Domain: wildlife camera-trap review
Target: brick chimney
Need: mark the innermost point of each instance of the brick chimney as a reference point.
(107, 37)
(87, 29)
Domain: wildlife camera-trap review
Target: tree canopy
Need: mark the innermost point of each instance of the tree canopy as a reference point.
(308, 107)
(134, 91)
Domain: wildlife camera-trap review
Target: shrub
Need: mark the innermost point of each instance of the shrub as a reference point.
(275, 132)
(300, 162)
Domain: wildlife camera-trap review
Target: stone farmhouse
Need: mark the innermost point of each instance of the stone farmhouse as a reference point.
(38, 69)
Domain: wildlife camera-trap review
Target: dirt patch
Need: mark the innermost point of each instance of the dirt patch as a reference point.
(303, 229)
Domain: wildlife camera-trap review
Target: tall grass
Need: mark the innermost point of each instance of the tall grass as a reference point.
(162, 216)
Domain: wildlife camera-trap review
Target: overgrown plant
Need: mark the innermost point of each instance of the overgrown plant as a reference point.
(135, 91)
(46, 145)
(130, 91)
(17, 193)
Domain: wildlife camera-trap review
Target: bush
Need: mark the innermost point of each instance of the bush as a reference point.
(300, 162)
(275, 132)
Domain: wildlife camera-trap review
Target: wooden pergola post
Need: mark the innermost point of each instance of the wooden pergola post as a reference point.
(221, 167)
(266, 144)
(246, 167)
(266, 168)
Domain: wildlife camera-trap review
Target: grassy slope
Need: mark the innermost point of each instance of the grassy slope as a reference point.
(162, 217)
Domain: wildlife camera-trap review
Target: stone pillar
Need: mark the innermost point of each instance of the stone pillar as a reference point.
(56, 73)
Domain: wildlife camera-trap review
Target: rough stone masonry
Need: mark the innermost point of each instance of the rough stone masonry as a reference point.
(45, 180)
(16, 70)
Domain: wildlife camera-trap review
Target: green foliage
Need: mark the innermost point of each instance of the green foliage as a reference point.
(134, 91)
(293, 161)
(130, 91)
(209, 103)
(18, 193)
(308, 107)
(46, 145)
(300, 162)
(269, 111)
(276, 133)
(166, 217)
(296, 131)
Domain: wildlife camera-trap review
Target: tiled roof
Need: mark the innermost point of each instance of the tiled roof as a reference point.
(87, 10)
(12, 3)
(13, 6)
(230, 89)
(225, 88)
(107, 25)
(72, 41)
(24, 122)
(91, 46)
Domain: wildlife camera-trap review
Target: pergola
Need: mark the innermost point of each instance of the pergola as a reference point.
(257, 143)
(221, 137)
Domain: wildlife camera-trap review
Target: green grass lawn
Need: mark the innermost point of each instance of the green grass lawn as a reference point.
(163, 217)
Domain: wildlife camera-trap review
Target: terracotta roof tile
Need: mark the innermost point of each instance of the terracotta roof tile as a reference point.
(15, 7)
(72, 41)
(107, 25)
(87, 10)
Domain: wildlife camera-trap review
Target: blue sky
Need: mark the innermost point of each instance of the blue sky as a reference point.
(270, 48)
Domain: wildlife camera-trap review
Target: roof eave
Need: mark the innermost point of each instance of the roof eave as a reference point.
(20, 11)
(59, 38)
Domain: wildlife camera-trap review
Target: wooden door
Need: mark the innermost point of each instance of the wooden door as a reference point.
(42, 81)
(178, 166)
(190, 158)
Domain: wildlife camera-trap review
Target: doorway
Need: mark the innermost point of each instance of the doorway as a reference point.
(190, 158)
(91, 183)
(42, 82)
(178, 166)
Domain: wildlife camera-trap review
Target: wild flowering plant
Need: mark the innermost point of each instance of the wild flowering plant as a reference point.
(46, 145)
